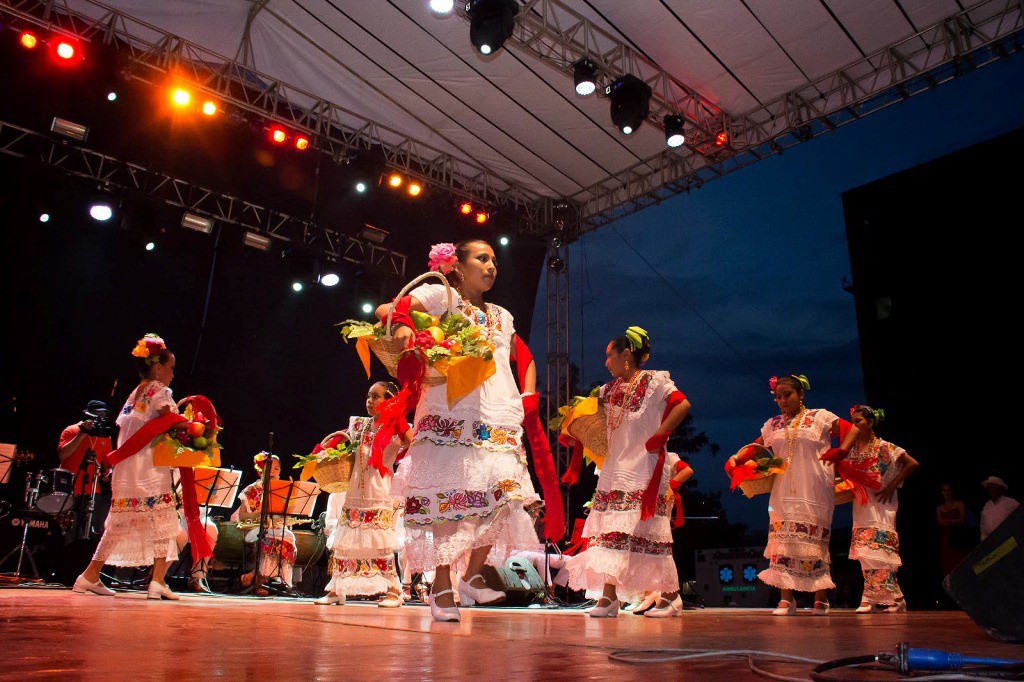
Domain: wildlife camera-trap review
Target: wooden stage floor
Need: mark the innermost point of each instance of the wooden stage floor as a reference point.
(56, 634)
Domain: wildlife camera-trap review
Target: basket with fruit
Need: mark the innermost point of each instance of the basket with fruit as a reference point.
(193, 441)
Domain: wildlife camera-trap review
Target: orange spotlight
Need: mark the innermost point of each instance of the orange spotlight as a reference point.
(28, 40)
(65, 50)
(415, 189)
(481, 217)
(278, 135)
(465, 208)
(721, 139)
(181, 97)
(209, 107)
(395, 180)
(302, 143)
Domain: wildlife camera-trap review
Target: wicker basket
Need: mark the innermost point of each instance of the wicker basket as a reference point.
(757, 486)
(592, 431)
(844, 496)
(332, 475)
(387, 348)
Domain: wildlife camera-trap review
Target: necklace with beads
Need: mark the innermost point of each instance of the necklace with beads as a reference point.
(792, 427)
(482, 317)
(364, 458)
(615, 417)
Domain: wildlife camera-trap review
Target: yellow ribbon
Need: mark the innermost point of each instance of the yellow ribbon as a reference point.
(307, 470)
(464, 374)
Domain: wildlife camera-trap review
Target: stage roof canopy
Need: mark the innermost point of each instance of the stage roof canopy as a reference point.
(509, 127)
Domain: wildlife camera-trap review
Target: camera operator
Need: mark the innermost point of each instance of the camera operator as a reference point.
(92, 433)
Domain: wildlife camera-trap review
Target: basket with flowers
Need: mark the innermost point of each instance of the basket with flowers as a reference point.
(330, 464)
(193, 441)
(584, 420)
(757, 474)
(843, 490)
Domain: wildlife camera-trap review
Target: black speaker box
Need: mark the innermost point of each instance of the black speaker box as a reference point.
(986, 584)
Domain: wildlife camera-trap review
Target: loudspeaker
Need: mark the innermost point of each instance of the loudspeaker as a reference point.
(986, 584)
(518, 579)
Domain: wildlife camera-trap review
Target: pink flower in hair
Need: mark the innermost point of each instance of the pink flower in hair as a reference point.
(772, 383)
(442, 257)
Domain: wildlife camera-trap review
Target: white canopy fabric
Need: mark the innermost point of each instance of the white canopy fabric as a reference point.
(396, 63)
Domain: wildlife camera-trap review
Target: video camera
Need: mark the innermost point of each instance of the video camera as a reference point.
(102, 419)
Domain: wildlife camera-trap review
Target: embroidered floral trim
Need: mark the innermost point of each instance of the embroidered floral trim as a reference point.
(371, 518)
(627, 500)
(880, 586)
(800, 568)
(807, 423)
(345, 567)
(880, 458)
(615, 396)
(418, 508)
(798, 530)
(279, 547)
(624, 542)
(876, 539)
(446, 431)
(120, 504)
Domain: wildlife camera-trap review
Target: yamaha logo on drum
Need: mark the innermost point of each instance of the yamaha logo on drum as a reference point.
(31, 523)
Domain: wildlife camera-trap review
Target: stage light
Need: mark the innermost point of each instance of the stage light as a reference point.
(76, 131)
(465, 208)
(414, 189)
(111, 96)
(481, 217)
(296, 286)
(44, 217)
(491, 23)
(101, 211)
(442, 7)
(278, 135)
(360, 187)
(301, 143)
(330, 279)
(395, 180)
(65, 50)
(503, 241)
(556, 264)
(674, 136)
(28, 40)
(373, 234)
(256, 241)
(209, 107)
(180, 97)
(721, 139)
(584, 75)
(556, 242)
(630, 102)
(150, 246)
(197, 222)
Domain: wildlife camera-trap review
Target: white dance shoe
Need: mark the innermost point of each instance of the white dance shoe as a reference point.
(820, 608)
(609, 611)
(898, 607)
(666, 609)
(469, 595)
(391, 600)
(329, 599)
(444, 614)
(82, 586)
(865, 608)
(785, 608)
(158, 591)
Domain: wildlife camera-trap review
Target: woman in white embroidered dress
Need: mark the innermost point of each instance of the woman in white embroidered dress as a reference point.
(803, 497)
(142, 524)
(277, 555)
(462, 478)
(875, 542)
(363, 537)
(628, 555)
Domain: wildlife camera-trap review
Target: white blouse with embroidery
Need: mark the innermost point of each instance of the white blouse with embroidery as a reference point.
(806, 491)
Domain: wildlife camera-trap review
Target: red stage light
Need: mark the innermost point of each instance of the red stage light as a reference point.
(465, 208)
(395, 180)
(278, 135)
(414, 189)
(65, 50)
(28, 40)
(181, 97)
(481, 217)
(302, 143)
(209, 107)
(721, 139)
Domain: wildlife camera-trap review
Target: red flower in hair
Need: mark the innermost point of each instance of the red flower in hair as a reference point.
(772, 383)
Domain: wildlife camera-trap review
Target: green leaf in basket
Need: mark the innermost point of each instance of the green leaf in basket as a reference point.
(353, 329)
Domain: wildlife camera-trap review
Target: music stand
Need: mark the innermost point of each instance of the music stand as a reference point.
(284, 499)
(7, 451)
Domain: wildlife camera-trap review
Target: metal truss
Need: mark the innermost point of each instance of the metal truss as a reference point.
(112, 173)
(559, 35)
(156, 54)
(563, 223)
(986, 32)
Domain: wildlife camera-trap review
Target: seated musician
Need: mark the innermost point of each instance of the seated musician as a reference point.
(278, 551)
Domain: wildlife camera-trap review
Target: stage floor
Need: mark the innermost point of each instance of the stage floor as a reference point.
(56, 634)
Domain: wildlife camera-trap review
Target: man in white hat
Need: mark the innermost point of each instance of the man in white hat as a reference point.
(998, 507)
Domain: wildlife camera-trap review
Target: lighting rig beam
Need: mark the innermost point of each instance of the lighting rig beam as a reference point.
(85, 163)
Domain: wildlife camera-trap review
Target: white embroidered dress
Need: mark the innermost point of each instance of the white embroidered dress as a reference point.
(363, 538)
(143, 523)
(463, 477)
(622, 550)
(801, 503)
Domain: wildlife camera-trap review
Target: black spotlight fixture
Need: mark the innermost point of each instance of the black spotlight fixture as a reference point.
(556, 264)
(631, 102)
(674, 136)
(584, 75)
(491, 23)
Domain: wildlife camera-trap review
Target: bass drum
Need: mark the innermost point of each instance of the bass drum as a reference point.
(55, 491)
(230, 549)
(309, 547)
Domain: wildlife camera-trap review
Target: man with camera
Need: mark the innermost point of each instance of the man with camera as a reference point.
(77, 441)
